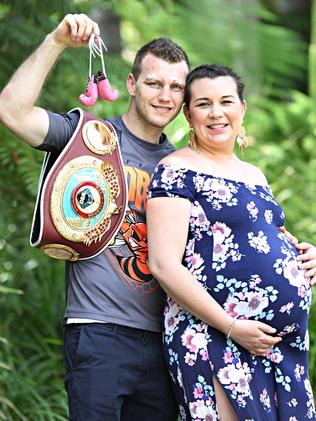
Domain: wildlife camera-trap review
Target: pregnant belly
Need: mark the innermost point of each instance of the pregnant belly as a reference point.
(278, 294)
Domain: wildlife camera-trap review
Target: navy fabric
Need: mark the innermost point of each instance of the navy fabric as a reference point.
(116, 373)
(236, 251)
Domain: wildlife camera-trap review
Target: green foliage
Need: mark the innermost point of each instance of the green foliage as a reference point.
(270, 57)
(272, 60)
(285, 137)
(312, 54)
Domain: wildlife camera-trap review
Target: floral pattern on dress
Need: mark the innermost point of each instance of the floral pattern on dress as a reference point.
(203, 408)
(237, 253)
(253, 211)
(219, 192)
(259, 242)
(246, 299)
(268, 215)
(224, 248)
(195, 339)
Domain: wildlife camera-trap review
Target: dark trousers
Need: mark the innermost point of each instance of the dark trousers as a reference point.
(116, 373)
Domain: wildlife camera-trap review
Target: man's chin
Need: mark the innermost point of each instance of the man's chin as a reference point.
(162, 121)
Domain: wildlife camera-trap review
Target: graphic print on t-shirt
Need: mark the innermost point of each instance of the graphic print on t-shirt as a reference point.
(130, 249)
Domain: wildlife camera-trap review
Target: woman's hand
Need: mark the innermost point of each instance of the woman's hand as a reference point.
(256, 337)
(307, 259)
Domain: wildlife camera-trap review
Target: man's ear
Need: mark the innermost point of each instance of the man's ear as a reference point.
(131, 84)
(186, 113)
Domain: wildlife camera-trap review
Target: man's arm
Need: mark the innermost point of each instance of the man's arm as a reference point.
(17, 100)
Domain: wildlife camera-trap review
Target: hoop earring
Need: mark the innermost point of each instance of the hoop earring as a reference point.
(192, 140)
(242, 140)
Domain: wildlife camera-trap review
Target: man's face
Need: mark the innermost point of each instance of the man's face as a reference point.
(158, 91)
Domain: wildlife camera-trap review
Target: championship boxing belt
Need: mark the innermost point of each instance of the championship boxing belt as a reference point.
(82, 194)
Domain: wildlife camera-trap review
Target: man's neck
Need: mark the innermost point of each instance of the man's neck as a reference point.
(139, 128)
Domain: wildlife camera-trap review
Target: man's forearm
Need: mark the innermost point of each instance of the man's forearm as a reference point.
(17, 100)
(23, 89)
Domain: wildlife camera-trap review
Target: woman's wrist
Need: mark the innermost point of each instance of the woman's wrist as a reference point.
(231, 327)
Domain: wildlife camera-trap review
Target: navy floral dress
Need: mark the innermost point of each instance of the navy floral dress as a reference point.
(236, 251)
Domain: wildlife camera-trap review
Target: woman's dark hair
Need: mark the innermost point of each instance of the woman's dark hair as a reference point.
(211, 71)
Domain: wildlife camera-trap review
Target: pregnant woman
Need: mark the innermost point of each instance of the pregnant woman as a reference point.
(236, 319)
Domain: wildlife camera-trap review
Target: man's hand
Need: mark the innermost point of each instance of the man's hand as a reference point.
(290, 237)
(307, 255)
(75, 31)
(307, 258)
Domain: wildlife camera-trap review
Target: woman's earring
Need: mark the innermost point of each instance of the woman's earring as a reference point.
(242, 140)
(192, 140)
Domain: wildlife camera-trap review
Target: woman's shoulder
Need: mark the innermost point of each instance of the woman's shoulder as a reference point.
(255, 174)
(179, 158)
(172, 178)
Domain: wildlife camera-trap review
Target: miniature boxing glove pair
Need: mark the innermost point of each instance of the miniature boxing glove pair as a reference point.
(98, 83)
(98, 86)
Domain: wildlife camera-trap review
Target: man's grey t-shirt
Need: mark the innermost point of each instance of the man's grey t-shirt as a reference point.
(116, 286)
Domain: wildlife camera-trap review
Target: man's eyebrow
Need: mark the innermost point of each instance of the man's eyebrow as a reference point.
(177, 82)
(156, 79)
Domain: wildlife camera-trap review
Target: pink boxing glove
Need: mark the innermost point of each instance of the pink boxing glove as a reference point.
(91, 94)
(104, 88)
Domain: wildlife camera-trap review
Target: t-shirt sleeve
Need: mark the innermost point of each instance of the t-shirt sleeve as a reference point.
(61, 128)
(168, 181)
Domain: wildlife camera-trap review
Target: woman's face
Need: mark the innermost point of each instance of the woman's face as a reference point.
(215, 111)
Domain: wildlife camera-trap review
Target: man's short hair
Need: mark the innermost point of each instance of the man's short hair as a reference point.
(163, 48)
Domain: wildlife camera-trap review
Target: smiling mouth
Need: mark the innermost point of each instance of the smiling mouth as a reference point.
(217, 126)
(162, 108)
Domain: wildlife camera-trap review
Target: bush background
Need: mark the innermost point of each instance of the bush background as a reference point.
(278, 64)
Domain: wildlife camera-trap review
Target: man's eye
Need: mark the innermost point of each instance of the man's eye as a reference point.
(203, 104)
(177, 88)
(227, 102)
(154, 84)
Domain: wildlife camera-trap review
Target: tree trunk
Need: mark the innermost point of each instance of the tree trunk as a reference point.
(109, 24)
(312, 55)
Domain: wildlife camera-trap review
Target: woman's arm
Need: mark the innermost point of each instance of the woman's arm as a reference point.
(167, 223)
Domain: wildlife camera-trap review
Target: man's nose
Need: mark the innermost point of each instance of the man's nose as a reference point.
(164, 93)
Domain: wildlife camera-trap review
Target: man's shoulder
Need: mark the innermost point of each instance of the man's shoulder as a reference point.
(115, 121)
(60, 129)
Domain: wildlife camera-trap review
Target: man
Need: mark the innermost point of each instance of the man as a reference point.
(113, 353)
(112, 344)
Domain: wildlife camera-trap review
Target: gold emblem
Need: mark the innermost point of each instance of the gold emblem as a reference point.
(60, 251)
(99, 137)
(83, 199)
